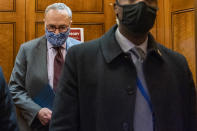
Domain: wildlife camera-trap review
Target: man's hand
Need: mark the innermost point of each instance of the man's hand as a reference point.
(44, 115)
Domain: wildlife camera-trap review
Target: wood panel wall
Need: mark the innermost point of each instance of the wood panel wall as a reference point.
(183, 30)
(22, 20)
(12, 34)
(176, 29)
(94, 16)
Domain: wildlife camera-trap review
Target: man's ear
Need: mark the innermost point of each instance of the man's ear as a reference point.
(44, 23)
(71, 22)
(115, 9)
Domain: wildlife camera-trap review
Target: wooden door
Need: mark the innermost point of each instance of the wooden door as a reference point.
(176, 29)
(180, 30)
(182, 27)
(12, 33)
(22, 20)
(95, 16)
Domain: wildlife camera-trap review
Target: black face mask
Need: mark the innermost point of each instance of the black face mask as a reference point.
(138, 18)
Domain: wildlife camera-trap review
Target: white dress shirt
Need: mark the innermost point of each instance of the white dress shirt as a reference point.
(143, 119)
(51, 52)
(127, 45)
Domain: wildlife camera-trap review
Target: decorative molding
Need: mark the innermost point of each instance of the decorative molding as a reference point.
(14, 37)
(82, 12)
(190, 13)
(102, 24)
(183, 11)
(195, 23)
(36, 27)
(13, 9)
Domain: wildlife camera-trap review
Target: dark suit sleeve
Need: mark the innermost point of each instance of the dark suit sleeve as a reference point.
(192, 110)
(65, 115)
(189, 97)
(7, 110)
(28, 108)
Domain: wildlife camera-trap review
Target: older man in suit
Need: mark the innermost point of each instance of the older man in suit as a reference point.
(7, 109)
(38, 64)
(125, 80)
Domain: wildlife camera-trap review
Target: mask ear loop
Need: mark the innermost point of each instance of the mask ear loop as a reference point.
(118, 3)
(117, 16)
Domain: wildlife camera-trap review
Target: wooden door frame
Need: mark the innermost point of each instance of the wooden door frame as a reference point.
(195, 18)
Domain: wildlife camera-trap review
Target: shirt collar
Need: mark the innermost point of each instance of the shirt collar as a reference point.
(126, 45)
(49, 45)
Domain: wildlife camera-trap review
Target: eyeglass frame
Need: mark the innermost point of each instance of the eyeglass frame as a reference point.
(55, 28)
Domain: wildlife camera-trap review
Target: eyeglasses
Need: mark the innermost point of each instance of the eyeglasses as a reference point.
(53, 28)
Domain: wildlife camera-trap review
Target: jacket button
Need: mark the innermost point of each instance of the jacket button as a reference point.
(127, 56)
(130, 91)
(125, 126)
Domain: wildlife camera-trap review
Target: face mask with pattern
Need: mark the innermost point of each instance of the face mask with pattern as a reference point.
(57, 40)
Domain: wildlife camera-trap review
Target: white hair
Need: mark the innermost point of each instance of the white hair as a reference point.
(59, 6)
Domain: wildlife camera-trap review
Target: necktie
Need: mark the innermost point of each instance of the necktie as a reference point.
(138, 53)
(58, 64)
(143, 119)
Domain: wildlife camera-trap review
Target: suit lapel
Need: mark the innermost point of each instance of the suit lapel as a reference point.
(109, 46)
(41, 59)
(161, 83)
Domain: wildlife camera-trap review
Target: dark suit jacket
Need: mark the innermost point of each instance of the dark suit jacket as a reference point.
(98, 88)
(28, 77)
(7, 110)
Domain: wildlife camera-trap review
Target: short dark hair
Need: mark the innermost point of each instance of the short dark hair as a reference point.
(117, 1)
